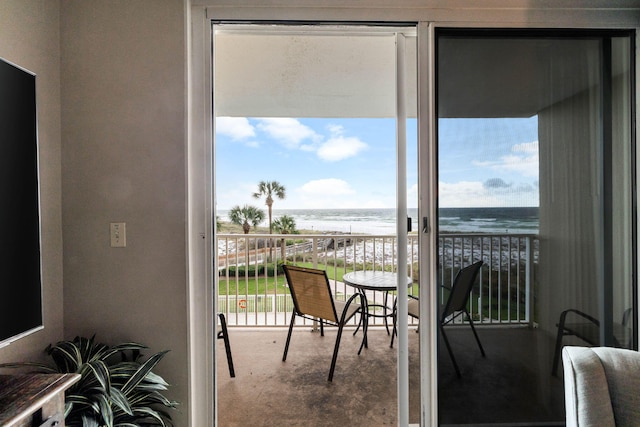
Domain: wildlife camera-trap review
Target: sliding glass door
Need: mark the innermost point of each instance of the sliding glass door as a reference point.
(535, 176)
(328, 112)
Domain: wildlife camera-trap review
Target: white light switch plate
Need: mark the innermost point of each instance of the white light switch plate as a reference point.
(118, 234)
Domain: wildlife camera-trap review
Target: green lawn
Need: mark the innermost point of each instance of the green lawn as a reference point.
(270, 285)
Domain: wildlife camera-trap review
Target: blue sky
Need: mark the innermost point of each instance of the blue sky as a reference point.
(350, 163)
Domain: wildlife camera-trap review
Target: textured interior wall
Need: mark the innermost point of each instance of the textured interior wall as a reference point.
(123, 159)
(29, 37)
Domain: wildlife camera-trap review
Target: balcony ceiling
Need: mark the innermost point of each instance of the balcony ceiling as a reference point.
(323, 74)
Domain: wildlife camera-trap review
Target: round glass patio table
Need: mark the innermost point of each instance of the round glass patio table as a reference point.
(370, 280)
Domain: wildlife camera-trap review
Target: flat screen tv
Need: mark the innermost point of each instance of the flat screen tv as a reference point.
(20, 260)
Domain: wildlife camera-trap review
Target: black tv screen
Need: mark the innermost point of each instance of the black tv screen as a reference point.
(20, 261)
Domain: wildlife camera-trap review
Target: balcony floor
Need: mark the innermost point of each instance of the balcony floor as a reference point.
(511, 385)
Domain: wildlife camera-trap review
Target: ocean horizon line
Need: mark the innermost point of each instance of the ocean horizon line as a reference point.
(516, 220)
(392, 209)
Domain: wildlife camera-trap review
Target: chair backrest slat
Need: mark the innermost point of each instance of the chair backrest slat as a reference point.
(461, 289)
(311, 292)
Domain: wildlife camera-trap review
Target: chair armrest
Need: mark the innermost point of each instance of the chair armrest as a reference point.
(563, 316)
(587, 398)
(344, 316)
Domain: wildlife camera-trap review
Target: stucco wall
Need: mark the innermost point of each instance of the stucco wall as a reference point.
(29, 37)
(123, 160)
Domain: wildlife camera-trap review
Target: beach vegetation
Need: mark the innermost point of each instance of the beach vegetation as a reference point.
(284, 225)
(246, 216)
(269, 190)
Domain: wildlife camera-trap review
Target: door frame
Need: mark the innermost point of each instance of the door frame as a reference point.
(201, 231)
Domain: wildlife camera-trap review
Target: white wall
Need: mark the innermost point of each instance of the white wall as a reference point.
(123, 160)
(29, 37)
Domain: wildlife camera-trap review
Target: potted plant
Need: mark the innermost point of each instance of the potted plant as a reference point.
(117, 386)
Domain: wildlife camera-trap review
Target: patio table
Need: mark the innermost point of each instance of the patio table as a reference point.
(370, 280)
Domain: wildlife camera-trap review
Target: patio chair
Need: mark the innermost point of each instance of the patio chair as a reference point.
(455, 306)
(312, 299)
(223, 334)
(587, 328)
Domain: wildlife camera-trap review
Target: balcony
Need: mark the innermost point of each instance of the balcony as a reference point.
(253, 292)
(268, 391)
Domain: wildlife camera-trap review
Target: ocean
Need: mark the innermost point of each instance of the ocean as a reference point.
(522, 220)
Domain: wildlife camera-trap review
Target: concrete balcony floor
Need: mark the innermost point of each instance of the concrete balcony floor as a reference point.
(512, 385)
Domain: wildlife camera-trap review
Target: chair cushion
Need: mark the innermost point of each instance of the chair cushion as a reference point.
(586, 389)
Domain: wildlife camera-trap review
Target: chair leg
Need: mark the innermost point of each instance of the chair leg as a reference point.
(360, 323)
(365, 329)
(335, 353)
(286, 346)
(453, 359)
(476, 335)
(227, 346)
(395, 319)
(386, 321)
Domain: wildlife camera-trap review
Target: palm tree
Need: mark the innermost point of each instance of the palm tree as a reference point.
(270, 189)
(246, 215)
(284, 225)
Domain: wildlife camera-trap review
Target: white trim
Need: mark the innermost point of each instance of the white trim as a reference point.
(427, 189)
(315, 29)
(605, 14)
(515, 13)
(200, 235)
(401, 231)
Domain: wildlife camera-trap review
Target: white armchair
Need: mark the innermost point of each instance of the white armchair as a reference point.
(602, 386)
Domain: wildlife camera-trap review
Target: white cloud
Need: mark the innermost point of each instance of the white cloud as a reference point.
(526, 147)
(524, 160)
(493, 193)
(238, 194)
(340, 148)
(287, 131)
(465, 194)
(323, 193)
(292, 134)
(328, 186)
(335, 129)
(412, 196)
(236, 128)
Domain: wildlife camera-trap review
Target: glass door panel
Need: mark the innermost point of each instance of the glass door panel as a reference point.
(329, 112)
(535, 172)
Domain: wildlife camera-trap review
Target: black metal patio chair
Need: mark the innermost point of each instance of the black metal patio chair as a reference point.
(455, 306)
(312, 299)
(223, 334)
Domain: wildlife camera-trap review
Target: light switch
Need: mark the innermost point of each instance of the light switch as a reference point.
(118, 234)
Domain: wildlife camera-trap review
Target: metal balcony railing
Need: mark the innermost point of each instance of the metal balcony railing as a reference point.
(252, 289)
